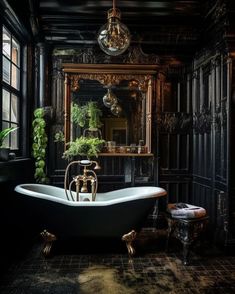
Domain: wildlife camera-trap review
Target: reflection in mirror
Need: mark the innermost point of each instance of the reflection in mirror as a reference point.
(122, 109)
(122, 92)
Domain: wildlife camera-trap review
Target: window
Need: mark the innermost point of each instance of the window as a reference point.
(11, 87)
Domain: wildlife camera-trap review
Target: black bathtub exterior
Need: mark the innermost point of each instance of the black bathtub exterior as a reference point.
(64, 220)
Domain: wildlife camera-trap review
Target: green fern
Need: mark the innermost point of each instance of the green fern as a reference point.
(94, 114)
(79, 114)
(83, 146)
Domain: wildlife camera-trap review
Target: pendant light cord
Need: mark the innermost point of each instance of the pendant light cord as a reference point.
(114, 37)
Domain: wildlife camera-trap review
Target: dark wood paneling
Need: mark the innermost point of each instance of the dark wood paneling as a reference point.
(231, 156)
(210, 139)
(174, 126)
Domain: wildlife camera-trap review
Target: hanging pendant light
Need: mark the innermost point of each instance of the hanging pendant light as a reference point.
(109, 98)
(116, 109)
(114, 37)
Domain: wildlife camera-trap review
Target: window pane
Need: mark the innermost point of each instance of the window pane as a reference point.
(15, 77)
(6, 70)
(15, 56)
(5, 105)
(14, 138)
(14, 108)
(7, 139)
(10, 105)
(6, 45)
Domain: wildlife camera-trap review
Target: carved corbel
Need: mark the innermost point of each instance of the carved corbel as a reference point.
(202, 121)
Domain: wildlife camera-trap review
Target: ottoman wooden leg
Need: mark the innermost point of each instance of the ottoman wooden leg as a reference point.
(186, 253)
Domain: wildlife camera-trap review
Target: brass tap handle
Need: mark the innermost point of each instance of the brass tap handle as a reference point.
(84, 178)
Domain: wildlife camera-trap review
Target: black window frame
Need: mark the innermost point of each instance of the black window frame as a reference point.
(11, 22)
(12, 90)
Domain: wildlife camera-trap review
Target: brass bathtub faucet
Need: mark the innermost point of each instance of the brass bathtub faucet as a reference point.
(88, 176)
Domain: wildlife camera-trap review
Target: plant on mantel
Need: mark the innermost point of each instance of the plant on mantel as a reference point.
(84, 146)
(39, 146)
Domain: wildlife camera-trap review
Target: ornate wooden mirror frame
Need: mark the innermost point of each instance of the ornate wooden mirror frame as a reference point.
(110, 74)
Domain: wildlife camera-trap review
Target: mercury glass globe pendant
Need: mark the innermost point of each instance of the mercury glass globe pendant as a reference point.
(116, 109)
(114, 37)
(109, 98)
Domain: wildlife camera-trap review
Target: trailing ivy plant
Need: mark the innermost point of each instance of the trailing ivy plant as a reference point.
(39, 146)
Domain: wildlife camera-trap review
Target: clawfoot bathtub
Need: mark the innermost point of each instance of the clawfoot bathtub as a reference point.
(113, 214)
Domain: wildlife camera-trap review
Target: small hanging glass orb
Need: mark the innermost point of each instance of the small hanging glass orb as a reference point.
(109, 98)
(116, 109)
(114, 37)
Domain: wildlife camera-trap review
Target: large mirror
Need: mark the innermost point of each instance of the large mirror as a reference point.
(122, 93)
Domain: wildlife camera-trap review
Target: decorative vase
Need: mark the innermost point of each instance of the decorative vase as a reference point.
(92, 133)
(4, 154)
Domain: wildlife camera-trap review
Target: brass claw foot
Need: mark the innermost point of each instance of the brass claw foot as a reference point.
(48, 241)
(129, 238)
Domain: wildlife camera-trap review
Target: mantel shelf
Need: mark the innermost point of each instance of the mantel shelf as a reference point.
(126, 154)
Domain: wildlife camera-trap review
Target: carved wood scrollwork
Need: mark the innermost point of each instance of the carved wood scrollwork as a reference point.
(90, 55)
(202, 121)
(176, 122)
(222, 209)
(109, 79)
(220, 11)
(220, 117)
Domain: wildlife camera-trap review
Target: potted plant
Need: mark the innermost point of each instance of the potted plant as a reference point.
(94, 114)
(84, 146)
(4, 151)
(79, 114)
(87, 116)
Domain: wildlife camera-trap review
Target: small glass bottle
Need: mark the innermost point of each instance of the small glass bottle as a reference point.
(141, 146)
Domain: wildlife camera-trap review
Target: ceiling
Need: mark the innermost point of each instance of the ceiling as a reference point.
(166, 25)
